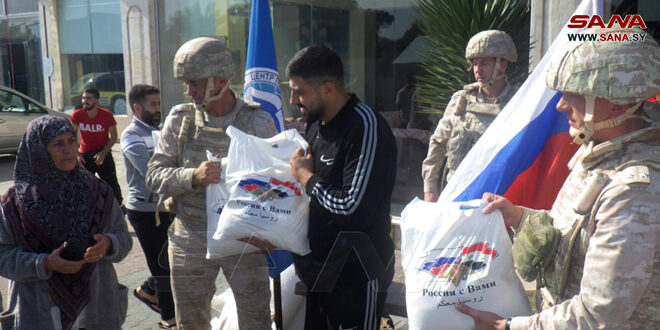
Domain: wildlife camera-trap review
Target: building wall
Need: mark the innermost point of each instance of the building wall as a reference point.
(548, 18)
(139, 43)
(54, 98)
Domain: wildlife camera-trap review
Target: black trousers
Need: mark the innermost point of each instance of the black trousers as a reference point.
(154, 244)
(106, 171)
(355, 301)
(357, 305)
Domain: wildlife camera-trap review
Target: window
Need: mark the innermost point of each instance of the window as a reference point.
(91, 48)
(20, 55)
(369, 35)
(21, 6)
(34, 108)
(11, 102)
(106, 83)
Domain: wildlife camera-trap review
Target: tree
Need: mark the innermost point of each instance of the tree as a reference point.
(448, 25)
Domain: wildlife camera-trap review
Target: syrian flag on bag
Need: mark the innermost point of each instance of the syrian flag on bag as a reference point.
(524, 153)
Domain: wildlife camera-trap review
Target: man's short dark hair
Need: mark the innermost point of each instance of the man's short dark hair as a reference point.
(92, 91)
(316, 64)
(139, 93)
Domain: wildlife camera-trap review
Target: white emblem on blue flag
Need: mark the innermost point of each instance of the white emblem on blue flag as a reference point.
(262, 86)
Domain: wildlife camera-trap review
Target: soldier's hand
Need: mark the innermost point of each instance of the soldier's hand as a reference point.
(207, 173)
(302, 166)
(512, 214)
(431, 197)
(263, 245)
(483, 319)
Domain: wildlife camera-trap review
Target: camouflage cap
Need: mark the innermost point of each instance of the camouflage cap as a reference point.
(491, 43)
(623, 72)
(203, 58)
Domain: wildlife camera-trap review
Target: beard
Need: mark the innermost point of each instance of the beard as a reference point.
(152, 119)
(312, 114)
(310, 117)
(89, 107)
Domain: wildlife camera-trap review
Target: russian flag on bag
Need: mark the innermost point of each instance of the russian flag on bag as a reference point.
(262, 81)
(523, 155)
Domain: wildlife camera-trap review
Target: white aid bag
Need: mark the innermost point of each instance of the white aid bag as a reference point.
(453, 253)
(223, 305)
(216, 198)
(265, 200)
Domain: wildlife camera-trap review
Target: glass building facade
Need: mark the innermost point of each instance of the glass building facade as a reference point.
(91, 53)
(369, 35)
(20, 47)
(53, 49)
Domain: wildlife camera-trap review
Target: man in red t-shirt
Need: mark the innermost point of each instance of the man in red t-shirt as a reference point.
(98, 132)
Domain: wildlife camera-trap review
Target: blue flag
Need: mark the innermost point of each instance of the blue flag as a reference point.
(262, 85)
(262, 82)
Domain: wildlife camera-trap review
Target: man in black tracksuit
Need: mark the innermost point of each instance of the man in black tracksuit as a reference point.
(349, 172)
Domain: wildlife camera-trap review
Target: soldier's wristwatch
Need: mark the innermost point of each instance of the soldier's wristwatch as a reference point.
(507, 326)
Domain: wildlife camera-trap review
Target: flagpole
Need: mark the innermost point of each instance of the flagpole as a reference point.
(262, 86)
(277, 295)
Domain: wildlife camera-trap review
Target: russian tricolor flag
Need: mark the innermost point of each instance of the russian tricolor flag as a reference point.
(262, 85)
(262, 81)
(523, 155)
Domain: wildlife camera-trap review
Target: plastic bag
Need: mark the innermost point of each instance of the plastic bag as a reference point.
(223, 305)
(453, 253)
(265, 199)
(216, 198)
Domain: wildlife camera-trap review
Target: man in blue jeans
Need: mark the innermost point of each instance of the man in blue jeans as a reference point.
(137, 146)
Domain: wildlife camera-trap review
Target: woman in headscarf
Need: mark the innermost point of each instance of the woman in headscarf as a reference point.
(60, 232)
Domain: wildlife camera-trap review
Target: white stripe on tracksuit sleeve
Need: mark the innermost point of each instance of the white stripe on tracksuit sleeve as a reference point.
(346, 200)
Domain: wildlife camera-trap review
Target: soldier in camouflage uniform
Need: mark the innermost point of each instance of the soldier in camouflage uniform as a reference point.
(470, 110)
(179, 169)
(606, 271)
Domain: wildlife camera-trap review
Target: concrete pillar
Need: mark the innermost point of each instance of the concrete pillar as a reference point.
(547, 19)
(50, 51)
(140, 43)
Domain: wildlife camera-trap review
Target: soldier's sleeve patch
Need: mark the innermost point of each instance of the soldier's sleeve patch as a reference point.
(635, 174)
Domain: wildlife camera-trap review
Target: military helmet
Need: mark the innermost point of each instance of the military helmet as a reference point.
(622, 72)
(491, 43)
(203, 58)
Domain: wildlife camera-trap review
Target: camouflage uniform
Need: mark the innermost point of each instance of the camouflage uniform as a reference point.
(186, 135)
(608, 205)
(469, 112)
(468, 115)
